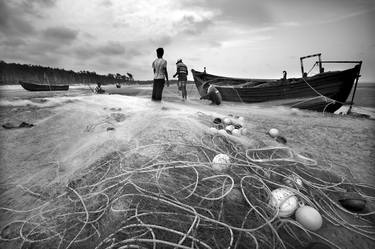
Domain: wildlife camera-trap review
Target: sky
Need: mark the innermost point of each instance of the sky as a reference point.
(238, 38)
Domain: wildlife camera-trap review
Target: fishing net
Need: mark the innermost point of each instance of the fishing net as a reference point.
(166, 194)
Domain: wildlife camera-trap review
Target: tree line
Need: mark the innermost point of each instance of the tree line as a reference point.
(11, 73)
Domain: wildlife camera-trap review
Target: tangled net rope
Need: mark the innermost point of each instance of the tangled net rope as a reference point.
(167, 195)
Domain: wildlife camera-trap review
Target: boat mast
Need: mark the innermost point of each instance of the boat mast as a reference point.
(46, 77)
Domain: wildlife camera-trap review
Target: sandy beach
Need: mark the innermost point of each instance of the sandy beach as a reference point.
(74, 133)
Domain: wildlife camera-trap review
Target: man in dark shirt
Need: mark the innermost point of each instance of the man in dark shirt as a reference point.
(182, 72)
(214, 95)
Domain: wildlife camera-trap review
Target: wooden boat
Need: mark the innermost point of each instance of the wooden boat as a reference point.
(43, 87)
(325, 91)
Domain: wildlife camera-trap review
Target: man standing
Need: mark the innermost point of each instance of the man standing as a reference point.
(160, 74)
(182, 73)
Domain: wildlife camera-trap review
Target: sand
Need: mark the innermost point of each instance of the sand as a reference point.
(70, 133)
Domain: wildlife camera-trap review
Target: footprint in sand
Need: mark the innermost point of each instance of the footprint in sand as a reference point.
(119, 117)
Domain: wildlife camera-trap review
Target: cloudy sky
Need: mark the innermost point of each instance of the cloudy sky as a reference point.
(244, 38)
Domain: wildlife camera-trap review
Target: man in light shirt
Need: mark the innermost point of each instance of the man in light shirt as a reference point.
(159, 67)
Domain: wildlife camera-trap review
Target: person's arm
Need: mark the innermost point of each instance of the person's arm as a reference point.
(166, 73)
(177, 71)
(166, 76)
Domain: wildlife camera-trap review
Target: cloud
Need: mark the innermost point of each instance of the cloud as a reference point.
(106, 3)
(214, 43)
(13, 43)
(255, 13)
(48, 46)
(46, 3)
(161, 41)
(35, 52)
(161, 19)
(191, 25)
(12, 21)
(110, 49)
(243, 12)
(60, 34)
(115, 64)
(35, 7)
(107, 35)
(84, 52)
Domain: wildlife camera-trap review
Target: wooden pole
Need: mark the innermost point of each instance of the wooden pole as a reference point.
(355, 87)
(301, 59)
(320, 64)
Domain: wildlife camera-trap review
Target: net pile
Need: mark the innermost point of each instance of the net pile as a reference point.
(167, 195)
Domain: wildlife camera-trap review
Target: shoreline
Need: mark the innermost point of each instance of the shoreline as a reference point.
(10, 92)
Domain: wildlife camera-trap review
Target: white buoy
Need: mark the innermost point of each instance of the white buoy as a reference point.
(227, 121)
(236, 132)
(309, 218)
(222, 132)
(213, 130)
(285, 201)
(274, 132)
(241, 120)
(229, 128)
(221, 162)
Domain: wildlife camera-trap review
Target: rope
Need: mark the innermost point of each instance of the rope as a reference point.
(49, 84)
(325, 98)
(312, 68)
(169, 198)
(191, 88)
(238, 94)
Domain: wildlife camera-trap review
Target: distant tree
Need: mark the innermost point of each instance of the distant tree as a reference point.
(130, 76)
(11, 73)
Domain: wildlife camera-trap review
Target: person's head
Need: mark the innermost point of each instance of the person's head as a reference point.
(160, 52)
(178, 61)
(99, 84)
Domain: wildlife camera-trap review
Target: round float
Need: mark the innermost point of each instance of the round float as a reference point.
(309, 218)
(284, 200)
(274, 132)
(220, 162)
(293, 181)
(236, 132)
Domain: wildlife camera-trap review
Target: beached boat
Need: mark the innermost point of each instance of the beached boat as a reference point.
(325, 91)
(43, 87)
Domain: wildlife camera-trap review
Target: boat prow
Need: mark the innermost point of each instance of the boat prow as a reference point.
(325, 91)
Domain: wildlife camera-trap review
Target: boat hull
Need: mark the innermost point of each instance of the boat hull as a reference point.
(322, 92)
(39, 87)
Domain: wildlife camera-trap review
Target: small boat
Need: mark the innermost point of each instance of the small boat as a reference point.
(325, 91)
(43, 87)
